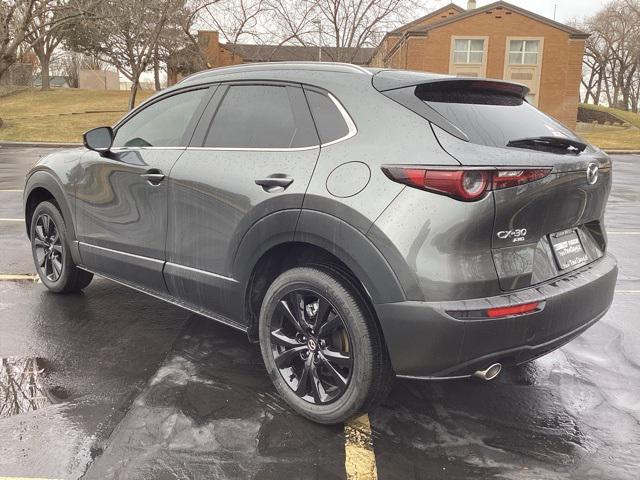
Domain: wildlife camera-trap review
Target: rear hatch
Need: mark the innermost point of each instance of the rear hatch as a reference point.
(542, 229)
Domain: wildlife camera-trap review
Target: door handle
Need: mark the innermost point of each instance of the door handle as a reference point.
(154, 176)
(274, 184)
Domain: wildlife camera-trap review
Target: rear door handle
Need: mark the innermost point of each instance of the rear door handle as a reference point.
(274, 184)
(154, 176)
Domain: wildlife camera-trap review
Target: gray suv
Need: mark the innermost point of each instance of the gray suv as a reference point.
(359, 224)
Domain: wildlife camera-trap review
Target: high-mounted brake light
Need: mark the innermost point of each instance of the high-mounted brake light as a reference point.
(463, 184)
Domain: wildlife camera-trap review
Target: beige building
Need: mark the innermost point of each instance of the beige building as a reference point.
(98, 79)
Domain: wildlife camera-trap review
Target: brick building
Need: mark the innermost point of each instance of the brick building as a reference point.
(498, 40)
(214, 54)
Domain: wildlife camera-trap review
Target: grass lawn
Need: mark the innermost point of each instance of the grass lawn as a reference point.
(60, 115)
(610, 137)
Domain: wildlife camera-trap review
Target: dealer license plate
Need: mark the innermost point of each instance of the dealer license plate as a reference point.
(568, 249)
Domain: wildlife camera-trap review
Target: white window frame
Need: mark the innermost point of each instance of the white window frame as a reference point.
(524, 52)
(468, 50)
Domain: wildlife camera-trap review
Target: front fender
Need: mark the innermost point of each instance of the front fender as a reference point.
(48, 181)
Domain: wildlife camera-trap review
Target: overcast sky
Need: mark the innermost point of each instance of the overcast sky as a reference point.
(566, 9)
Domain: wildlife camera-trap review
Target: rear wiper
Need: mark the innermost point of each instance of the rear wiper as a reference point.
(549, 144)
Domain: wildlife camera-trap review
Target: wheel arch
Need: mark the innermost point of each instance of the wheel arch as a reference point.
(43, 186)
(266, 251)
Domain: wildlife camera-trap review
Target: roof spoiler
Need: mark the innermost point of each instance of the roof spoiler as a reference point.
(386, 80)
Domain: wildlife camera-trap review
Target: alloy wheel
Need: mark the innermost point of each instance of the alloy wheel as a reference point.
(48, 248)
(311, 347)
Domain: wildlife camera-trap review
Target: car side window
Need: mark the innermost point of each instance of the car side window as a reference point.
(162, 124)
(262, 116)
(329, 121)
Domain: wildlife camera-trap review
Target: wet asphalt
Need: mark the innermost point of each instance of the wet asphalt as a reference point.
(111, 383)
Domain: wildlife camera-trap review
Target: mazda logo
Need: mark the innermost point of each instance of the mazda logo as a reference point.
(592, 173)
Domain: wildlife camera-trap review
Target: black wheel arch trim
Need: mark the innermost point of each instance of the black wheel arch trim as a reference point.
(48, 181)
(320, 230)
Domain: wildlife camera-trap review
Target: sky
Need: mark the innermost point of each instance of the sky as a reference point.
(566, 9)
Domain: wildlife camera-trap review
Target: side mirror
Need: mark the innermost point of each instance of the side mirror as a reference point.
(98, 139)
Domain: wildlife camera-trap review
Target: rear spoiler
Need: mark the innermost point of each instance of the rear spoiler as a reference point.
(386, 80)
(401, 85)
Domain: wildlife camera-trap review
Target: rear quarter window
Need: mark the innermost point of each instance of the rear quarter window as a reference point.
(329, 121)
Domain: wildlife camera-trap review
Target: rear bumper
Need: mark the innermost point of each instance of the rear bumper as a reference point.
(425, 342)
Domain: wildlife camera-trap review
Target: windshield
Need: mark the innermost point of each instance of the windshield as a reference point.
(489, 117)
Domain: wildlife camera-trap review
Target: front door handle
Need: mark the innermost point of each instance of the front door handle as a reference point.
(153, 176)
(274, 183)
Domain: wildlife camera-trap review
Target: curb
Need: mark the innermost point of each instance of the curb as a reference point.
(6, 143)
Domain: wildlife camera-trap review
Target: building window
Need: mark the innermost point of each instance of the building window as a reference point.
(468, 51)
(523, 52)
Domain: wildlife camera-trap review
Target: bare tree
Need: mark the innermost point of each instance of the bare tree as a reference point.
(124, 33)
(236, 19)
(46, 33)
(25, 24)
(612, 55)
(348, 25)
(15, 18)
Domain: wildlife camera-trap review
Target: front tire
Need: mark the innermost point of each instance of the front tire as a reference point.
(51, 251)
(321, 345)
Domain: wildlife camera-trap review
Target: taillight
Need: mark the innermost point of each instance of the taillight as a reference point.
(513, 178)
(463, 184)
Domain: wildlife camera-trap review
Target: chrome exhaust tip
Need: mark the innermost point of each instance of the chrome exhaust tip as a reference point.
(490, 373)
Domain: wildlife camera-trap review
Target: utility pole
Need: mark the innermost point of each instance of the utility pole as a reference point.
(555, 9)
(318, 22)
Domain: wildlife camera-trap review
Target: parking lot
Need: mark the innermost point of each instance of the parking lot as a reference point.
(122, 385)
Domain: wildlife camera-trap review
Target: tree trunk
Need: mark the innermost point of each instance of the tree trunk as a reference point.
(44, 67)
(5, 64)
(156, 70)
(134, 91)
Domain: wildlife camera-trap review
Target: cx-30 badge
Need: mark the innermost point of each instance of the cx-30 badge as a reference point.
(592, 173)
(516, 235)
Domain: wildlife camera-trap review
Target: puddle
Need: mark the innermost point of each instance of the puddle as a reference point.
(21, 386)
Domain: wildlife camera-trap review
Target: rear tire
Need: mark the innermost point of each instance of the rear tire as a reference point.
(322, 346)
(52, 253)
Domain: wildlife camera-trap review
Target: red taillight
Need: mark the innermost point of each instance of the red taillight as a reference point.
(463, 184)
(513, 178)
(521, 309)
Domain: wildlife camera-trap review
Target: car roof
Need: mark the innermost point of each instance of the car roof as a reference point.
(298, 67)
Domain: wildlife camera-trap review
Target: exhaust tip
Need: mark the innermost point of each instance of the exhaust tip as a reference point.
(490, 373)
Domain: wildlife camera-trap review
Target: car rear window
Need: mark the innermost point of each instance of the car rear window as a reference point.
(491, 117)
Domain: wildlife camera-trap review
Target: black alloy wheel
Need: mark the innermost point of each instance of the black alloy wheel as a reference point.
(48, 248)
(311, 346)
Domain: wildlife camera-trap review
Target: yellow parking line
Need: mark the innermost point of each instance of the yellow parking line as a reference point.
(11, 190)
(622, 232)
(627, 291)
(359, 457)
(18, 277)
(11, 220)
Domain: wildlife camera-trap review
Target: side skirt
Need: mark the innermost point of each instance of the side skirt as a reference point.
(172, 300)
